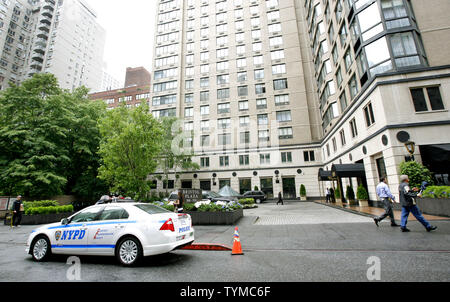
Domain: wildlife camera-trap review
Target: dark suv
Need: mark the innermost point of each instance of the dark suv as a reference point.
(258, 196)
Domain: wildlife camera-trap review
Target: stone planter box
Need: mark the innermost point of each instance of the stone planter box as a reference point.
(363, 203)
(43, 219)
(434, 206)
(216, 218)
(303, 198)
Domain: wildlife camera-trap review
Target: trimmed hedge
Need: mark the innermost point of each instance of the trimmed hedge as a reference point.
(437, 192)
(41, 203)
(49, 210)
(247, 201)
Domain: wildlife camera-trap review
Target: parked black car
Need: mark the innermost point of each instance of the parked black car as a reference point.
(258, 196)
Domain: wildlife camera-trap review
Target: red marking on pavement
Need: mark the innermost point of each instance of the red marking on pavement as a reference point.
(206, 247)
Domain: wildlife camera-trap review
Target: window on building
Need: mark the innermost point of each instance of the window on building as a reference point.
(243, 105)
(280, 84)
(264, 159)
(284, 116)
(224, 139)
(368, 115)
(242, 90)
(204, 162)
(244, 160)
(224, 161)
(244, 121)
(309, 156)
(260, 88)
(342, 135)
(261, 104)
(286, 157)
(426, 98)
(353, 128)
(281, 100)
(285, 133)
(204, 140)
(204, 110)
(244, 137)
(223, 108)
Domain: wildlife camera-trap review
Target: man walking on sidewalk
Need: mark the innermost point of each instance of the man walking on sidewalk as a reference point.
(408, 201)
(17, 210)
(385, 194)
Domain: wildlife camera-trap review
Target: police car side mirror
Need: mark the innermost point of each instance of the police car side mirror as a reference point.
(65, 221)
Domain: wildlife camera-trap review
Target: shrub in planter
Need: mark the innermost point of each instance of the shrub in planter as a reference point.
(41, 203)
(337, 193)
(362, 196)
(416, 172)
(437, 192)
(256, 188)
(247, 201)
(350, 194)
(189, 207)
(49, 210)
(302, 192)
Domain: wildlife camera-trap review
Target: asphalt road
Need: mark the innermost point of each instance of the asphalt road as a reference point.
(295, 242)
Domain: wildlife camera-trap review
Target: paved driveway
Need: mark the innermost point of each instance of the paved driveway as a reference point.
(325, 244)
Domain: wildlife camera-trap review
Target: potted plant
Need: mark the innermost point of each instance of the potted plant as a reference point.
(350, 195)
(337, 195)
(363, 196)
(303, 192)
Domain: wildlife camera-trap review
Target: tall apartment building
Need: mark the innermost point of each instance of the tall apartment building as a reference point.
(235, 73)
(15, 35)
(382, 76)
(59, 37)
(279, 92)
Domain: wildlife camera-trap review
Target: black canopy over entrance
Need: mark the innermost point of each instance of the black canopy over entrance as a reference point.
(324, 175)
(348, 170)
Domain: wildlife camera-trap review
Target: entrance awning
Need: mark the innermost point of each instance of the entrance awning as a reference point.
(324, 175)
(348, 170)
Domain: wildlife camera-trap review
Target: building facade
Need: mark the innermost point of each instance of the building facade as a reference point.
(138, 76)
(235, 72)
(58, 37)
(135, 94)
(382, 78)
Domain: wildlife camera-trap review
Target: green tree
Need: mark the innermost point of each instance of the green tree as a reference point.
(416, 172)
(361, 193)
(131, 142)
(174, 158)
(47, 136)
(302, 190)
(350, 194)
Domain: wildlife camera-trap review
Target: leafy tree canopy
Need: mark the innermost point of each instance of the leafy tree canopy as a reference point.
(48, 137)
(131, 143)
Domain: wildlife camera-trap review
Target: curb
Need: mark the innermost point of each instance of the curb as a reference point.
(347, 210)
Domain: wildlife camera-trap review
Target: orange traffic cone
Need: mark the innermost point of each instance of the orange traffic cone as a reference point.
(237, 249)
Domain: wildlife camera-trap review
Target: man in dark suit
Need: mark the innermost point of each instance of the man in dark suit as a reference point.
(408, 202)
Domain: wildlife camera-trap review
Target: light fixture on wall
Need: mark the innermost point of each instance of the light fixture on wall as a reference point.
(410, 147)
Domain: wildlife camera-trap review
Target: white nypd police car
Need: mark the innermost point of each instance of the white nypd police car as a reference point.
(128, 231)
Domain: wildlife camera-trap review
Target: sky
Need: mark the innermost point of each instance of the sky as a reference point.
(129, 26)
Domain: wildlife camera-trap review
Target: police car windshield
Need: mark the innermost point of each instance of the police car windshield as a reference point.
(151, 209)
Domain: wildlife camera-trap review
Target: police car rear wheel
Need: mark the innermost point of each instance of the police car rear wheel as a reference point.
(40, 249)
(129, 251)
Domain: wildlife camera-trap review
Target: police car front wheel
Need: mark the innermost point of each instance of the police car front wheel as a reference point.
(129, 251)
(41, 249)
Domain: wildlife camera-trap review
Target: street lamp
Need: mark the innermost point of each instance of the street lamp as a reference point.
(410, 147)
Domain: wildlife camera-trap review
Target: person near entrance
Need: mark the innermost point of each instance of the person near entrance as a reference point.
(280, 199)
(328, 195)
(333, 197)
(408, 202)
(179, 202)
(18, 209)
(385, 195)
